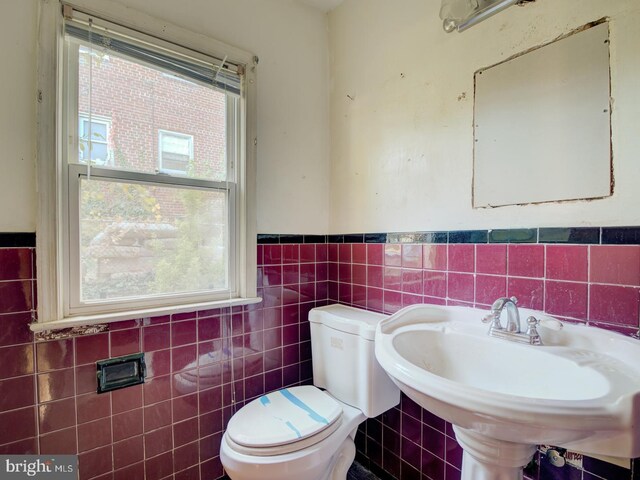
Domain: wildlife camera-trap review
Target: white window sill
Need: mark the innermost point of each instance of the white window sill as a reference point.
(84, 320)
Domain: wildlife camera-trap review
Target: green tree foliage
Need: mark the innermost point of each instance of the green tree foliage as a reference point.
(144, 240)
(198, 260)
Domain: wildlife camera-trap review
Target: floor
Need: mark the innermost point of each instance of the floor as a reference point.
(358, 472)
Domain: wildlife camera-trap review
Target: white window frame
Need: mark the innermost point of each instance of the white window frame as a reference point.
(101, 120)
(53, 174)
(163, 133)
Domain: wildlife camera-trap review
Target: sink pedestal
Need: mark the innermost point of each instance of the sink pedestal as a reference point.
(486, 458)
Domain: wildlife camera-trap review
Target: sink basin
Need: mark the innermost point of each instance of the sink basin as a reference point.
(579, 390)
(469, 364)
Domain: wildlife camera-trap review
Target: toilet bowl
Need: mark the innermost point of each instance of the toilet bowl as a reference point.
(307, 432)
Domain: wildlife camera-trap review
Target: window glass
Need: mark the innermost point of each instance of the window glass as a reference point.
(176, 153)
(93, 141)
(141, 101)
(154, 240)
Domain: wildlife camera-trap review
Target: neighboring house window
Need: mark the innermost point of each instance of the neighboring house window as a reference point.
(175, 151)
(93, 140)
(142, 231)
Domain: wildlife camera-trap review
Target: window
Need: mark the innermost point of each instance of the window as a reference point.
(93, 140)
(175, 152)
(146, 226)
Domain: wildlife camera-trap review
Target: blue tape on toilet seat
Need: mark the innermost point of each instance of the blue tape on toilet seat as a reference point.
(284, 416)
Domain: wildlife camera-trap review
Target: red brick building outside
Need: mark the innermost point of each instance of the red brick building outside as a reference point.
(139, 103)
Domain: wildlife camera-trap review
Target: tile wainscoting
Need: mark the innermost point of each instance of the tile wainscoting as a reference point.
(171, 426)
(597, 284)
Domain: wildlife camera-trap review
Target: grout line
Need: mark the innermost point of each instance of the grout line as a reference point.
(198, 390)
(475, 273)
(544, 277)
(75, 395)
(36, 404)
(14, 280)
(589, 282)
(113, 460)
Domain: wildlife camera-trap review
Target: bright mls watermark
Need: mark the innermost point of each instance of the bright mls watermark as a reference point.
(46, 467)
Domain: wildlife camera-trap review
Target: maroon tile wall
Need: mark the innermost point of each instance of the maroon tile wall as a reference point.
(594, 284)
(171, 426)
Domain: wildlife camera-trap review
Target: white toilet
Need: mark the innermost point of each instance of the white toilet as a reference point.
(304, 432)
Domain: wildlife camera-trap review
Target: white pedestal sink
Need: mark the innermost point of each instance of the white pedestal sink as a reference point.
(579, 390)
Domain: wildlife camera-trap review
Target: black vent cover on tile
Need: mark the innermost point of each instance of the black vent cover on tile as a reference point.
(120, 372)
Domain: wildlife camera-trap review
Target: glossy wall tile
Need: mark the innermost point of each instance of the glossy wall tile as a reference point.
(593, 284)
(202, 365)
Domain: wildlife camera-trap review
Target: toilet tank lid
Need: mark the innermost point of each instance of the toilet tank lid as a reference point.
(347, 319)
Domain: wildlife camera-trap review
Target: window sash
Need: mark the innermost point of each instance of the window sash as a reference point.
(74, 305)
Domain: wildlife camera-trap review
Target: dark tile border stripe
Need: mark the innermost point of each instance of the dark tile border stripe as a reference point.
(567, 235)
(291, 238)
(315, 239)
(418, 237)
(621, 236)
(265, 239)
(556, 235)
(274, 238)
(354, 238)
(469, 236)
(375, 238)
(514, 235)
(13, 240)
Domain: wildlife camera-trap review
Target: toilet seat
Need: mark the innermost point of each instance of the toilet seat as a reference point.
(284, 421)
(282, 449)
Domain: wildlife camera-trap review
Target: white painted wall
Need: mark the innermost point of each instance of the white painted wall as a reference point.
(17, 116)
(291, 40)
(401, 148)
(402, 112)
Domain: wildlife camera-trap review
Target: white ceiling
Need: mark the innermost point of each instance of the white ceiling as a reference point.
(323, 5)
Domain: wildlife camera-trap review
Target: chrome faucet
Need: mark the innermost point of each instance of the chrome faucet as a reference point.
(513, 316)
(513, 330)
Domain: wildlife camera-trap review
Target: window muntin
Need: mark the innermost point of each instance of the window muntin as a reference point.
(134, 225)
(175, 153)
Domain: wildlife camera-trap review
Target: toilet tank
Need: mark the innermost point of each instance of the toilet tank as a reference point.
(344, 362)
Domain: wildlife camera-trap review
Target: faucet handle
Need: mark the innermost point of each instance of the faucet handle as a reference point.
(532, 323)
(532, 332)
(551, 323)
(488, 318)
(494, 320)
